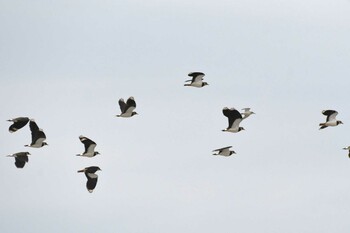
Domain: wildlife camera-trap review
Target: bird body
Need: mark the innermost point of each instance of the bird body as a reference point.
(127, 109)
(234, 119)
(225, 151)
(38, 135)
(21, 158)
(18, 123)
(91, 177)
(197, 80)
(89, 147)
(246, 113)
(331, 119)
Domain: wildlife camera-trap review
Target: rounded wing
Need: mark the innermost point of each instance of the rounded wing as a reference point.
(234, 117)
(331, 114)
(122, 105)
(88, 144)
(18, 123)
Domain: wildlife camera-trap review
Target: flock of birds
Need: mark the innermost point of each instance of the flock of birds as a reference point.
(127, 110)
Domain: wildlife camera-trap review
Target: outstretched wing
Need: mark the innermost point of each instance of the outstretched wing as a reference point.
(33, 126)
(122, 105)
(224, 148)
(18, 123)
(196, 76)
(331, 114)
(38, 137)
(234, 117)
(91, 181)
(21, 161)
(88, 144)
(130, 105)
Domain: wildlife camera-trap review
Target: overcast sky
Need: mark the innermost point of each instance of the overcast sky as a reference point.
(66, 63)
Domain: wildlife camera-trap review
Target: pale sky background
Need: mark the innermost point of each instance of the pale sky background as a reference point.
(66, 64)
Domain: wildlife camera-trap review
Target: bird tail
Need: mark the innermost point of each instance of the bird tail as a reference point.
(323, 125)
(83, 170)
(26, 145)
(187, 85)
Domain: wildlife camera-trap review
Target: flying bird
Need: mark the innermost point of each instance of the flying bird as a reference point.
(330, 121)
(347, 148)
(18, 123)
(234, 119)
(247, 113)
(197, 80)
(89, 147)
(91, 177)
(38, 135)
(21, 158)
(225, 151)
(127, 109)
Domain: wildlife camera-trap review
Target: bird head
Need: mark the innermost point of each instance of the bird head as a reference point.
(134, 113)
(205, 84)
(339, 122)
(232, 152)
(45, 144)
(240, 128)
(96, 153)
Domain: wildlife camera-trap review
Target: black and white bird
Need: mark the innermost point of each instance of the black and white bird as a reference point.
(246, 113)
(348, 149)
(21, 158)
(89, 147)
(18, 123)
(91, 177)
(225, 151)
(197, 80)
(38, 135)
(330, 121)
(127, 109)
(234, 119)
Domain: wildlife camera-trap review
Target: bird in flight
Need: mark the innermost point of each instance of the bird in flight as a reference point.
(38, 135)
(21, 158)
(91, 177)
(89, 147)
(234, 119)
(225, 151)
(196, 81)
(127, 109)
(348, 149)
(18, 123)
(331, 120)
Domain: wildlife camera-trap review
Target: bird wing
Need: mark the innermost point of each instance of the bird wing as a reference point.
(33, 126)
(122, 104)
(234, 117)
(91, 181)
(38, 136)
(130, 105)
(18, 123)
(88, 144)
(19, 163)
(331, 114)
(221, 149)
(196, 76)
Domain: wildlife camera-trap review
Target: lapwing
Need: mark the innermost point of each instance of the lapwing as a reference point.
(91, 177)
(348, 149)
(247, 113)
(225, 151)
(21, 158)
(127, 109)
(330, 121)
(89, 147)
(197, 80)
(38, 135)
(234, 119)
(18, 123)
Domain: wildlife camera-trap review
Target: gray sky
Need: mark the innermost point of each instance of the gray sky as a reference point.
(66, 64)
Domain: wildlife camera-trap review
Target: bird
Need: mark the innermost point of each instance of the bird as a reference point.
(197, 80)
(330, 121)
(246, 113)
(21, 158)
(18, 123)
(225, 151)
(127, 109)
(38, 135)
(347, 148)
(89, 147)
(234, 119)
(91, 177)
